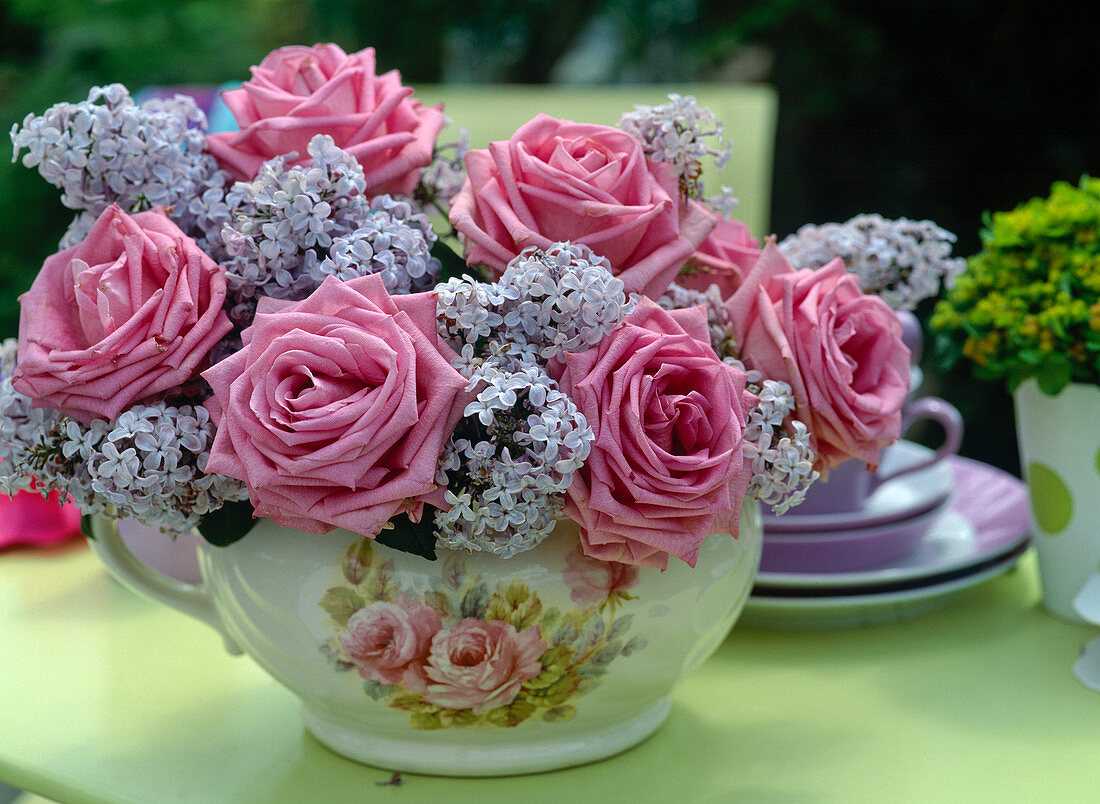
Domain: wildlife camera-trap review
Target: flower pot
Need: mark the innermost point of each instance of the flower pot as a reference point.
(1060, 455)
(468, 665)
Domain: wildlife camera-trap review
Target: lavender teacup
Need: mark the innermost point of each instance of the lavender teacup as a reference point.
(851, 483)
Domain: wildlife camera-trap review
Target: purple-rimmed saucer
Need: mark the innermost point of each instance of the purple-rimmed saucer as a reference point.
(982, 535)
(988, 518)
(847, 550)
(895, 500)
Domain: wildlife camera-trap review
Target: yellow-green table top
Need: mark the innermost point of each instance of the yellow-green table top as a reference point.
(105, 696)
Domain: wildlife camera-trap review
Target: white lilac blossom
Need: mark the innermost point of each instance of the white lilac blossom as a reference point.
(149, 465)
(778, 449)
(561, 299)
(291, 227)
(902, 261)
(383, 244)
(109, 150)
(724, 203)
(24, 431)
(718, 322)
(509, 462)
(468, 313)
(679, 133)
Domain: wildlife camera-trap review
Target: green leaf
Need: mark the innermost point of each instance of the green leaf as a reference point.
(451, 264)
(228, 523)
(86, 526)
(407, 536)
(341, 602)
(559, 713)
(357, 561)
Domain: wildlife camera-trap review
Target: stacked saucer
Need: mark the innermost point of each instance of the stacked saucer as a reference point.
(919, 539)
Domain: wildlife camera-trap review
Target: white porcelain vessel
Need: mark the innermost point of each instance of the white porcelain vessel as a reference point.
(468, 665)
(1060, 454)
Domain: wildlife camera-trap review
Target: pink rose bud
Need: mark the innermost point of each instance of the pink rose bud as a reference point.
(840, 350)
(130, 312)
(556, 180)
(299, 92)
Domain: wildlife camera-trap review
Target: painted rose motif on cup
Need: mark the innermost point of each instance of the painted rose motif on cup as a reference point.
(472, 651)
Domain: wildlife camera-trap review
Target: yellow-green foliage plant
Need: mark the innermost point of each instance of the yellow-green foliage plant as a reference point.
(1028, 304)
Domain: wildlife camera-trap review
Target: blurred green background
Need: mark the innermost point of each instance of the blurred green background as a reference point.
(922, 109)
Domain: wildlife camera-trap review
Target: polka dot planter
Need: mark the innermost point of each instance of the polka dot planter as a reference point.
(1060, 453)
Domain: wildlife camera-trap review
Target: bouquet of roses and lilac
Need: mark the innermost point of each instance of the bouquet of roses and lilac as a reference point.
(257, 323)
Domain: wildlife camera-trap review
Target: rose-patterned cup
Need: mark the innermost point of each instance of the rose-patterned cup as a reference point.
(468, 665)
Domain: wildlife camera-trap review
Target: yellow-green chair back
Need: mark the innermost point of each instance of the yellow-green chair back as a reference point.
(748, 112)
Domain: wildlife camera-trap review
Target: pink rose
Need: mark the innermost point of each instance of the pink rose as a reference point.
(840, 350)
(298, 92)
(665, 469)
(592, 581)
(335, 411)
(722, 259)
(388, 642)
(128, 313)
(556, 180)
(480, 665)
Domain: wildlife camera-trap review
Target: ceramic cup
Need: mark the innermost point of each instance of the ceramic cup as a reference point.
(850, 484)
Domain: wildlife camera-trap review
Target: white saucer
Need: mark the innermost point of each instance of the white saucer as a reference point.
(982, 535)
(951, 543)
(869, 609)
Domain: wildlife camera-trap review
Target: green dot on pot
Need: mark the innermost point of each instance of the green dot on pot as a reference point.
(1051, 500)
(1098, 461)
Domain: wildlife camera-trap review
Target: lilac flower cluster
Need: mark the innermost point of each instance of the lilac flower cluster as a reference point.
(547, 301)
(510, 461)
(679, 133)
(778, 448)
(514, 454)
(109, 150)
(148, 464)
(902, 261)
(290, 227)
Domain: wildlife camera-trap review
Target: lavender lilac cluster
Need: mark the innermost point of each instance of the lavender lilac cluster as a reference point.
(148, 464)
(778, 448)
(902, 261)
(284, 232)
(680, 133)
(110, 150)
(514, 454)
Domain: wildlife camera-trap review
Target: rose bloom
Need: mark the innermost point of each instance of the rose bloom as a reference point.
(481, 664)
(839, 349)
(298, 92)
(126, 314)
(388, 642)
(556, 180)
(335, 411)
(666, 467)
(722, 259)
(591, 581)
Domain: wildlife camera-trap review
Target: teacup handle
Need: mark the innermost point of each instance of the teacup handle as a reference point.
(938, 410)
(192, 599)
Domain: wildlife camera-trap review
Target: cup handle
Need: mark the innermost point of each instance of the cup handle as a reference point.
(938, 410)
(192, 599)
